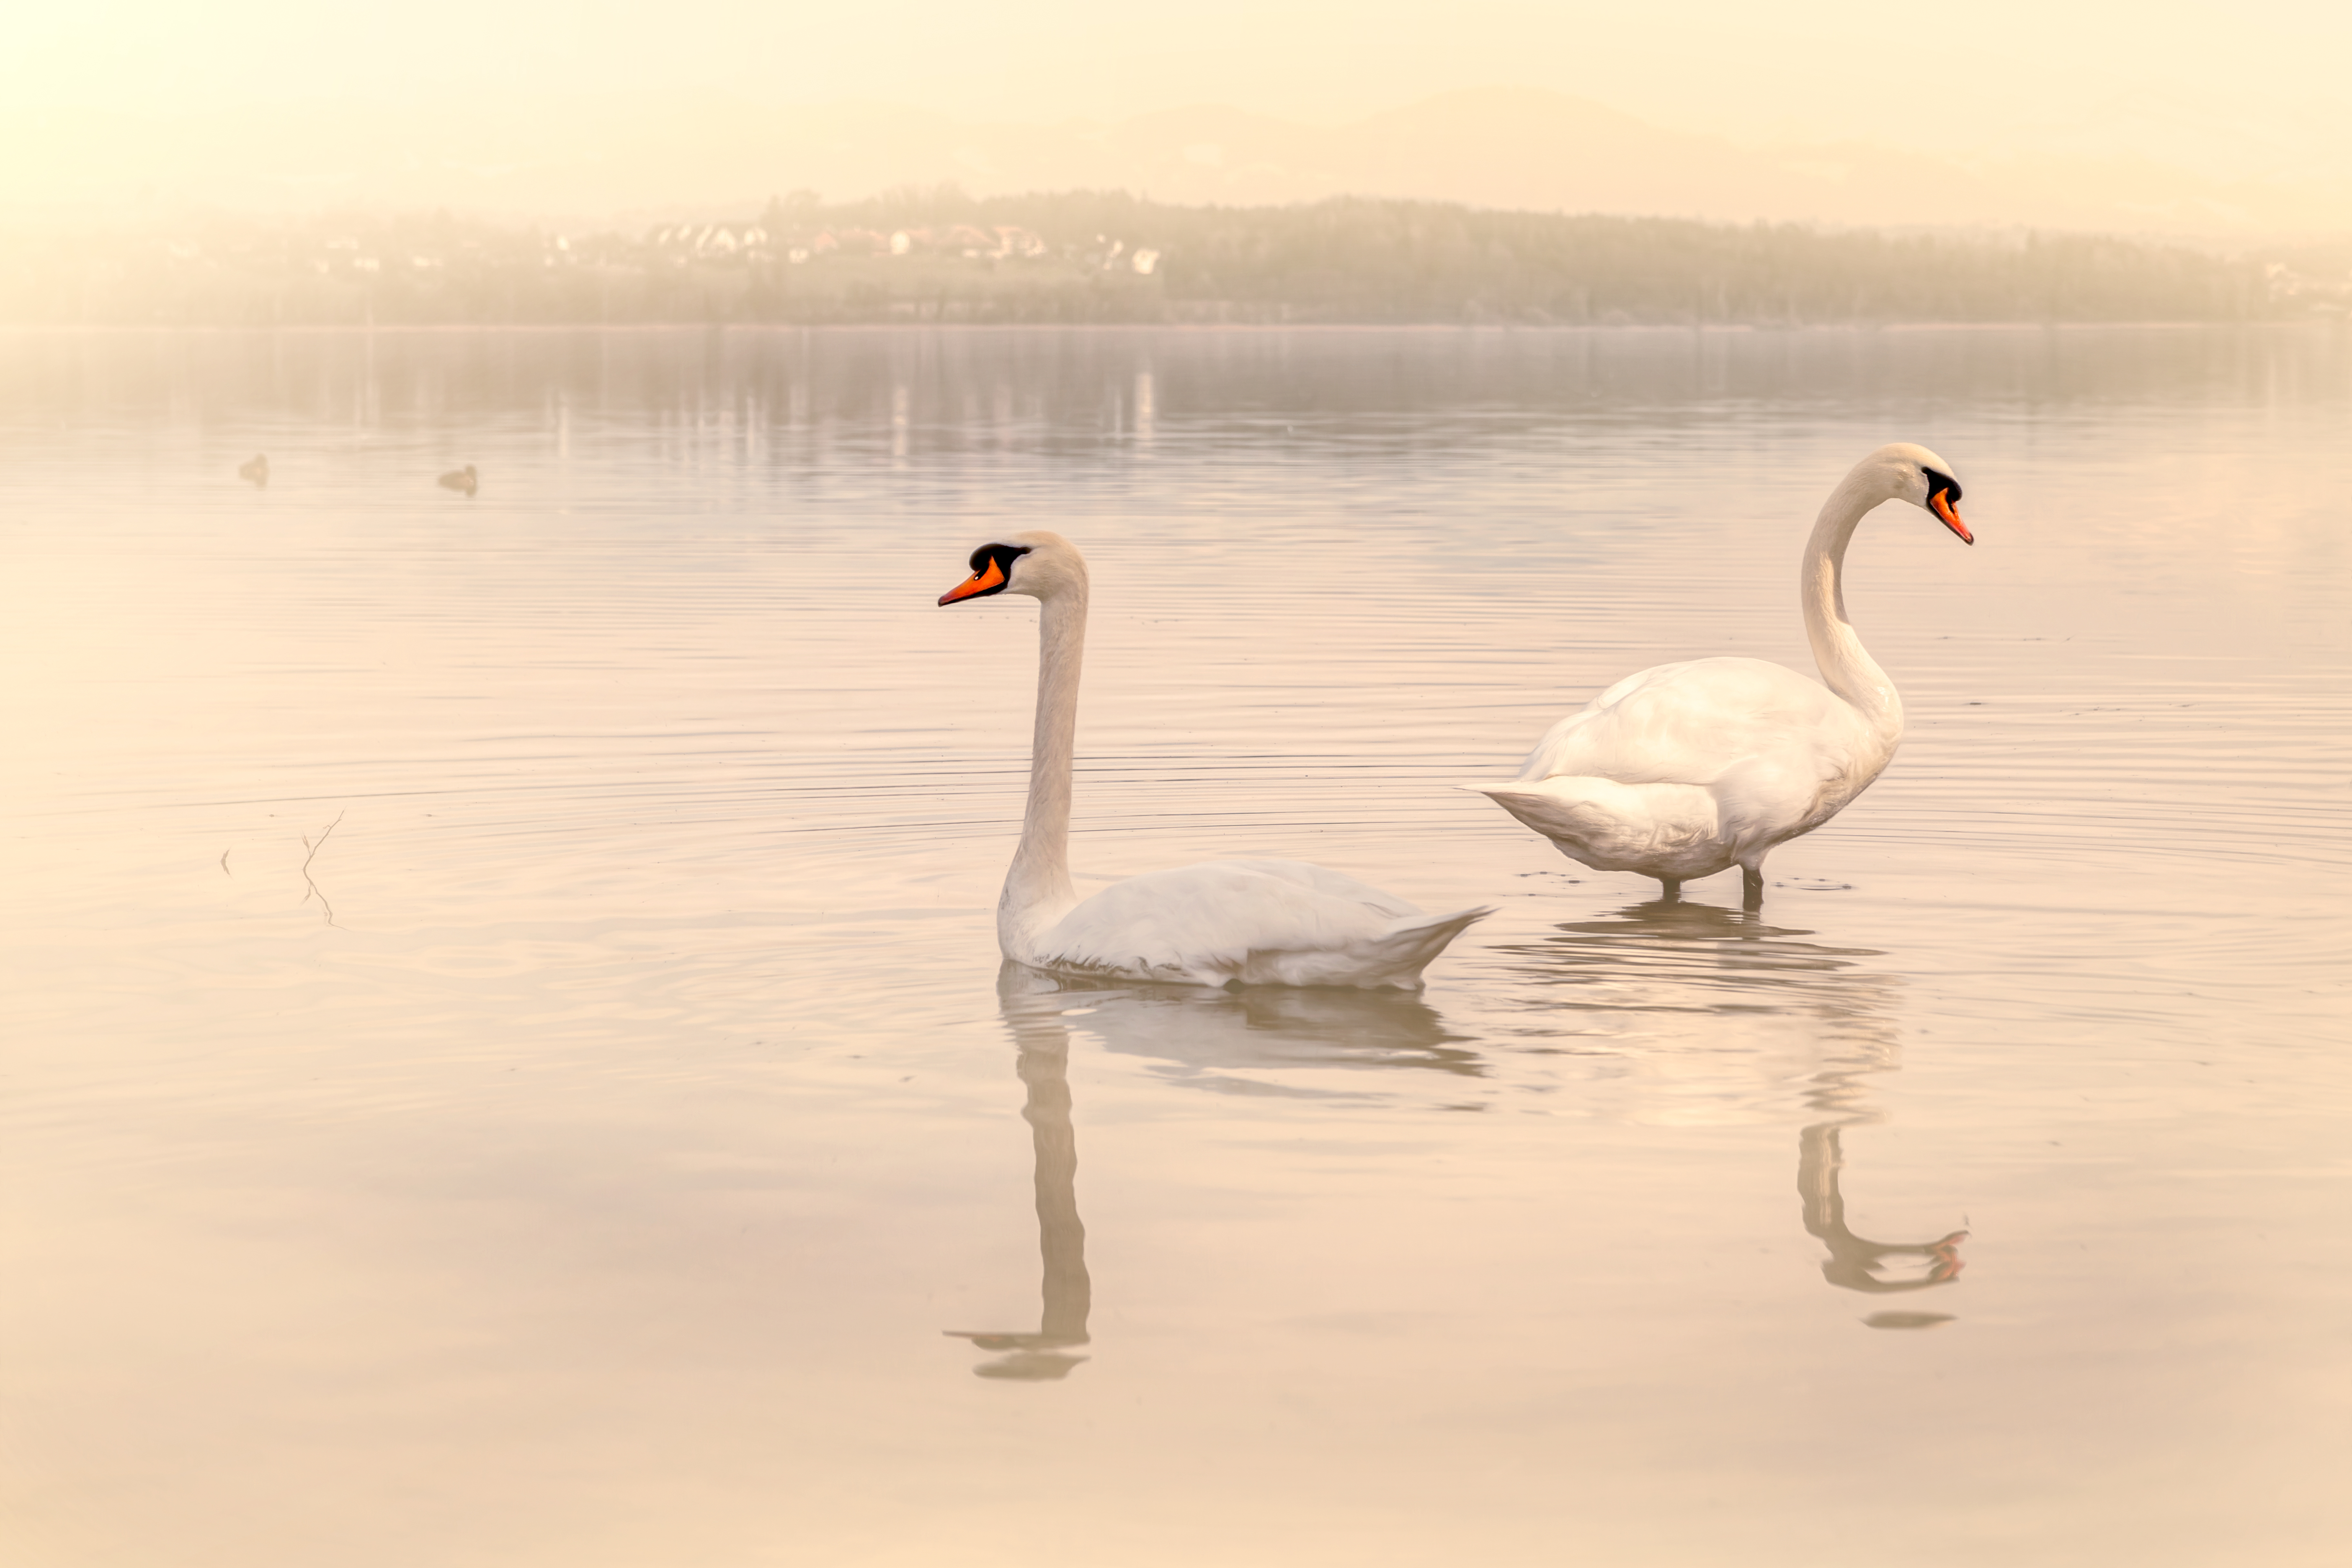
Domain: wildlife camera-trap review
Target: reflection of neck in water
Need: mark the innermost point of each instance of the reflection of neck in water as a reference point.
(1855, 1261)
(1669, 968)
(1209, 1034)
(1858, 1263)
(1068, 1293)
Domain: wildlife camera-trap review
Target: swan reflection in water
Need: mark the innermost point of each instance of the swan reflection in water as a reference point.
(1230, 1041)
(1810, 1014)
(1043, 1043)
(1200, 1038)
(1687, 984)
(1855, 1262)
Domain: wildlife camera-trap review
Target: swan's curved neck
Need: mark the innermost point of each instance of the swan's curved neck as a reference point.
(1846, 666)
(1038, 889)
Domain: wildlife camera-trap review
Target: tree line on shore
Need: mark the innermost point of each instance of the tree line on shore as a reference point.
(940, 255)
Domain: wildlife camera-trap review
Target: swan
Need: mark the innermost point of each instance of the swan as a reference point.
(1686, 769)
(1221, 922)
(463, 480)
(255, 470)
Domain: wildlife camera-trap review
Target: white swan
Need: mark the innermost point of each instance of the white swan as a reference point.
(1218, 923)
(1690, 769)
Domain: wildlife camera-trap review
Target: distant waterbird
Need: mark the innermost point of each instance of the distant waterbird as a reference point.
(255, 470)
(465, 482)
(1221, 922)
(1686, 769)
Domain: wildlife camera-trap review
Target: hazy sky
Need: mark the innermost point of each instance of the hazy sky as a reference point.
(1946, 75)
(2247, 90)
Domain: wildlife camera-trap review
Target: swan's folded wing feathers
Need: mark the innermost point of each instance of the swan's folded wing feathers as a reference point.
(1333, 884)
(1248, 919)
(1680, 723)
(1228, 906)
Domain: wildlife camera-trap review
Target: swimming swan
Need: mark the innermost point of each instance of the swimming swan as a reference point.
(1690, 769)
(1221, 922)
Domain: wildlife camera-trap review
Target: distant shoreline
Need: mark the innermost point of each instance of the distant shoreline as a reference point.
(1107, 259)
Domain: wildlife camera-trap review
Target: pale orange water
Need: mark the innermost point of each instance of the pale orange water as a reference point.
(506, 1060)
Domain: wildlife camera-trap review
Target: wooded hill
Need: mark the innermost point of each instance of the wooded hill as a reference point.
(943, 257)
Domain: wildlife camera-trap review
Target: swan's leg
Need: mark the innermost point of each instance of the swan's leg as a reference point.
(1670, 888)
(1751, 887)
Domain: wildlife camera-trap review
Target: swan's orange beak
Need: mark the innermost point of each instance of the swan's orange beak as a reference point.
(1943, 508)
(981, 582)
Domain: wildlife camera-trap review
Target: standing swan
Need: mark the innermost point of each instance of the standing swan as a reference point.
(1221, 922)
(1686, 769)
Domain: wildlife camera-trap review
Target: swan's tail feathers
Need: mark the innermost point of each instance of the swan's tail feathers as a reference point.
(1567, 814)
(1405, 948)
(1614, 826)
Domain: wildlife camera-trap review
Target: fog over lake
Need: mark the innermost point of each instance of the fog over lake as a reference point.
(510, 1061)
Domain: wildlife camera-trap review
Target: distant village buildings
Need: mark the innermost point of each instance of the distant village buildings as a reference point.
(1345, 261)
(967, 242)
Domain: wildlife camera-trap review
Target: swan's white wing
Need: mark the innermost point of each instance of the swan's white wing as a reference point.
(1687, 724)
(1255, 921)
(1330, 884)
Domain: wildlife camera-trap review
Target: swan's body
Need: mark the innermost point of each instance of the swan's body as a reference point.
(255, 470)
(1242, 922)
(465, 482)
(1221, 922)
(1686, 769)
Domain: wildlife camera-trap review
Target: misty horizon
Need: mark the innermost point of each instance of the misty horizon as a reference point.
(646, 156)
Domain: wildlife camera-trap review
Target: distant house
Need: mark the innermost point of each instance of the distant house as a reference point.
(1012, 239)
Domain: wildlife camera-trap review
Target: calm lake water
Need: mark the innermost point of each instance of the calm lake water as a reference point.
(508, 1062)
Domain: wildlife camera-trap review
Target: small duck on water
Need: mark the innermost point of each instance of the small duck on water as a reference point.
(465, 482)
(256, 471)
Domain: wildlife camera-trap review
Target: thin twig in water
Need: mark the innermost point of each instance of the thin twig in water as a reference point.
(313, 855)
(224, 870)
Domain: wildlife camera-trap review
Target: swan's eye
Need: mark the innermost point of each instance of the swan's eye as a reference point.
(1005, 555)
